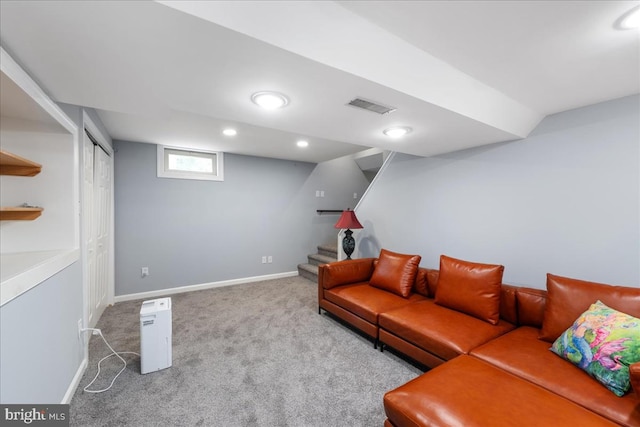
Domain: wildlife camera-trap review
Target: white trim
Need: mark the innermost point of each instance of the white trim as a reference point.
(75, 382)
(83, 237)
(41, 266)
(20, 77)
(384, 166)
(200, 287)
(96, 133)
(112, 238)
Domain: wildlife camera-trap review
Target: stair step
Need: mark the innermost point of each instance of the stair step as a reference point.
(317, 259)
(328, 250)
(325, 255)
(308, 271)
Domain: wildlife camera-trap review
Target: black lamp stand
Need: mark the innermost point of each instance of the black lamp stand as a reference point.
(348, 243)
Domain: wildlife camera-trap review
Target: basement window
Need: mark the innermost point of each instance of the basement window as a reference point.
(183, 163)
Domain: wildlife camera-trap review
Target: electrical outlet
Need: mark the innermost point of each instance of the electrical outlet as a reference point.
(145, 271)
(264, 259)
(269, 259)
(80, 329)
(321, 193)
(355, 195)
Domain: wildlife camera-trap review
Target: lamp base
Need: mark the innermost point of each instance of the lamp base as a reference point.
(348, 243)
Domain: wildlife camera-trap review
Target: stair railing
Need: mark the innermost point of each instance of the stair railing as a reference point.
(328, 211)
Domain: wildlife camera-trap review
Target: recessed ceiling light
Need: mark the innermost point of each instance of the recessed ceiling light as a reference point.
(269, 100)
(630, 20)
(230, 132)
(397, 131)
(302, 143)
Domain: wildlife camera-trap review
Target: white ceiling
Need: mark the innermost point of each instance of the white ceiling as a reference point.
(460, 73)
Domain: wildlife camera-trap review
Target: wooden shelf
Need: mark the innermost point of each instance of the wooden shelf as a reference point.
(10, 164)
(19, 214)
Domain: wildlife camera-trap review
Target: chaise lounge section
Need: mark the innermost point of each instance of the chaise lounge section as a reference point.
(467, 392)
(492, 364)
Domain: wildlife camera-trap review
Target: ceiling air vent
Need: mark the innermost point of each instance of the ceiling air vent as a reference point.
(370, 106)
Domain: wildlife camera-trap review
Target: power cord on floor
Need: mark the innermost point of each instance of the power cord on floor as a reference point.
(113, 353)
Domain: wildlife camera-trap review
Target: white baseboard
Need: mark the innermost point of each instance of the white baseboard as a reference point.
(202, 286)
(75, 382)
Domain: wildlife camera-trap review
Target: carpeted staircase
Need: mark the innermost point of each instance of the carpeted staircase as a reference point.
(326, 254)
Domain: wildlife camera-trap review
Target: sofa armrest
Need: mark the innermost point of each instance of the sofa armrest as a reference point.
(634, 375)
(345, 272)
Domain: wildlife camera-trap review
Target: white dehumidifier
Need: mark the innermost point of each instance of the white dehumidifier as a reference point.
(155, 335)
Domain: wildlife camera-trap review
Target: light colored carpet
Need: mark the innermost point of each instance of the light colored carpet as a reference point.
(256, 354)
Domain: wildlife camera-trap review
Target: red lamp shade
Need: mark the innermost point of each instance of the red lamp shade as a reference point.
(348, 220)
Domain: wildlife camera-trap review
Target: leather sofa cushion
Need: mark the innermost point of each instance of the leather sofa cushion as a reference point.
(531, 305)
(508, 306)
(443, 332)
(569, 298)
(470, 287)
(469, 392)
(432, 281)
(345, 272)
(420, 286)
(366, 301)
(395, 272)
(521, 353)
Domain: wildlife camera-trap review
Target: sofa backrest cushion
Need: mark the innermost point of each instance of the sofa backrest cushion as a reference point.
(345, 272)
(569, 298)
(471, 288)
(420, 285)
(531, 305)
(426, 281)
(432, 282)
(508, 305)
(395, 272)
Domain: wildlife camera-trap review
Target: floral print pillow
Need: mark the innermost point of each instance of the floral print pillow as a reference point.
(603, 342)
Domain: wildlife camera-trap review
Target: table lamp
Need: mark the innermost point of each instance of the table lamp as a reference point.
(347, 221)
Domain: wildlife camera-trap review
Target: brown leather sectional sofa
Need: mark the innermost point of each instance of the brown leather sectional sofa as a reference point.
(488, 345)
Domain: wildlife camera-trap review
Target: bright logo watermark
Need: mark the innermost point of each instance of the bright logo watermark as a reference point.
(36, 415)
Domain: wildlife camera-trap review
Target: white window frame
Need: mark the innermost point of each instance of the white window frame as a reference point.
(164, 172)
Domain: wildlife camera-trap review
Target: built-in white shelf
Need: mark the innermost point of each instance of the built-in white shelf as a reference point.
(38, 167)
(20, 272)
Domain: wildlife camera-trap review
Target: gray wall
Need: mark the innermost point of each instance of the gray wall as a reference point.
(39, 347)
(565, 200)
(192, 232)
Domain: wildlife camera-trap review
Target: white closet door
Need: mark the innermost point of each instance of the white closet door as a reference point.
(102, 217)
(97, 218)
(89, 222)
